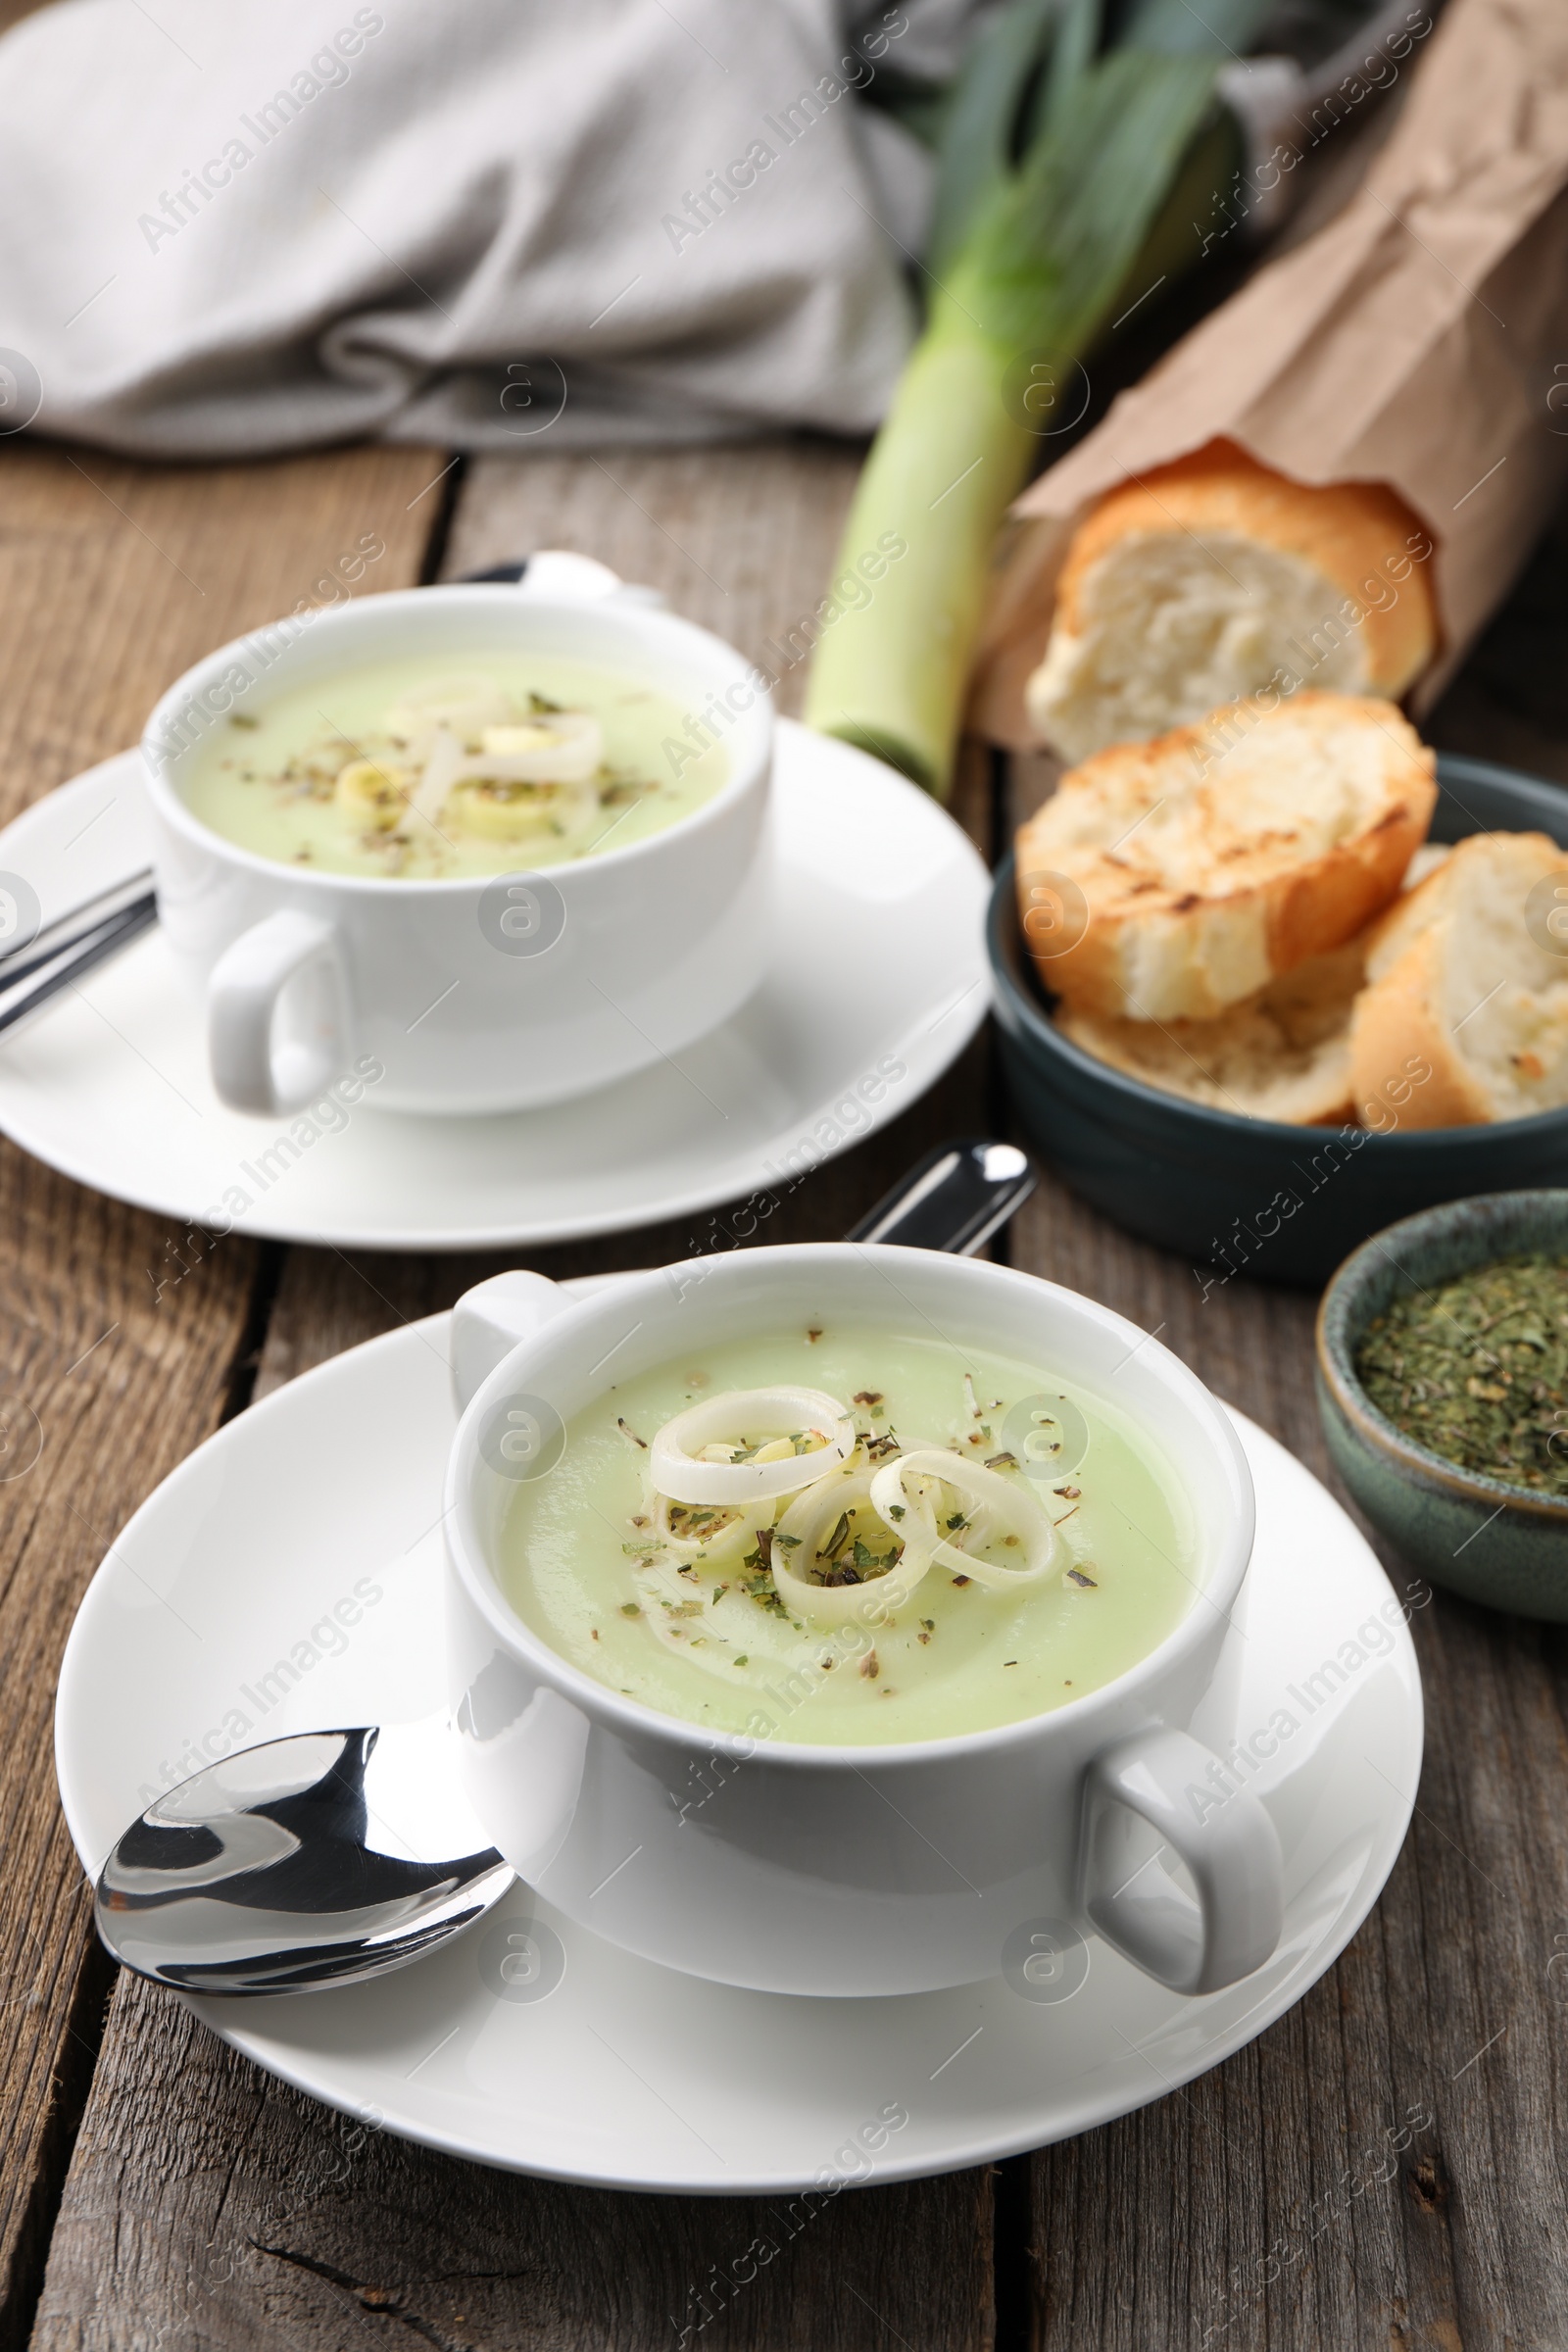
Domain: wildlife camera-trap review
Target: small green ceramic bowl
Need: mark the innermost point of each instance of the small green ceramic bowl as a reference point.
(1495, 1544)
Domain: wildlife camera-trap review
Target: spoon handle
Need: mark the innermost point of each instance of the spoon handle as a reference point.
(69, 959)
(954, 1200)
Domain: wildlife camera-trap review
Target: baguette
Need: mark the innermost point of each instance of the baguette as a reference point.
(1284, 1055)
(1171, 880)
(1209, 579)
(1465, 975)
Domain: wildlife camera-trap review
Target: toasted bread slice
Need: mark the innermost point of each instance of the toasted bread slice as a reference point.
(1467, 989)
(1171, 880)
(1207, 580)
(1284, 1055)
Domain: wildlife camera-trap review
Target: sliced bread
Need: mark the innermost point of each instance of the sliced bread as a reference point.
(1469, 975)
(1207, 580)
(1171, 880)
(1284, 1055)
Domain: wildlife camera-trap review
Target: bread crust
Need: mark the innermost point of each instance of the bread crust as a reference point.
(1349, 531)
(1398, 1023)
(1149, 950)
(1401, 1017)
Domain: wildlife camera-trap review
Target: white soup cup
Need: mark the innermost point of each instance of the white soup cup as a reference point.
(876, 1868)
(487, 993)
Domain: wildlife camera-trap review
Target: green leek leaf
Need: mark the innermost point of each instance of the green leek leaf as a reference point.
(1198, 27)
(977, 134)
(1071, 60)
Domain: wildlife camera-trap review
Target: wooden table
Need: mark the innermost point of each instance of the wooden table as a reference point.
(159, 2189)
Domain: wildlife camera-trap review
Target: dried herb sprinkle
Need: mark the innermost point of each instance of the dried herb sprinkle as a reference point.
(1477, 1370)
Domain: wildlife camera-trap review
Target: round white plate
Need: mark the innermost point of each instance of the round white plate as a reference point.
(214, 1609)
(877, 984)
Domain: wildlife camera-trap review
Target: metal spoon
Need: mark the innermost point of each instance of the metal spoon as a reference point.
(314, 1860)
(331, 1856)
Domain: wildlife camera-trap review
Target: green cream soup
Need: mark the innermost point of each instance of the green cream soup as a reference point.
(402, 771)
(912, 1580)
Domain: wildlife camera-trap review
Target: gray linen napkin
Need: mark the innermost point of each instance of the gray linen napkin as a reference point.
(278, 223)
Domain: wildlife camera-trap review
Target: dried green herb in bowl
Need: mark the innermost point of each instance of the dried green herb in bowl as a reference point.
(1476, 1370)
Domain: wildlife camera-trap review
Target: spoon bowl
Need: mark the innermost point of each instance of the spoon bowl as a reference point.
(319, 1859)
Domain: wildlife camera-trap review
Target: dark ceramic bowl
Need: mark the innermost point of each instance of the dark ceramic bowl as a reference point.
(1494, 1543)
(1251, 1196)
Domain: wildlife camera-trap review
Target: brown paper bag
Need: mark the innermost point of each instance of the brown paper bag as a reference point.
(1420, 339)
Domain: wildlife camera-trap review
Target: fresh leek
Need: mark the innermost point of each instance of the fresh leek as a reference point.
(1029, 262)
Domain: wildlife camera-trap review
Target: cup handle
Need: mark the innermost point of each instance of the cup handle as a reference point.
(249, 1071)
(492, 1319)
(554, 577)
(1219, 1831)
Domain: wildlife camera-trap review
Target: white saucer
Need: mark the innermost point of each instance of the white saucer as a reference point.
(877, 985)
(624, 2074)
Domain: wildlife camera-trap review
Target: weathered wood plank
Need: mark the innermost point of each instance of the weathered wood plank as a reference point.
(741, 539)
(112, 578)
(261, 2220)
(116, 576)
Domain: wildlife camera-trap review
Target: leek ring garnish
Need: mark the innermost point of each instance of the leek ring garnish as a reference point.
(443, 765)
(559, 746)
(745, 1446)
(537, 776)
(522, 779)
(909, 1493)
(817, 1534)
(464, 705)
